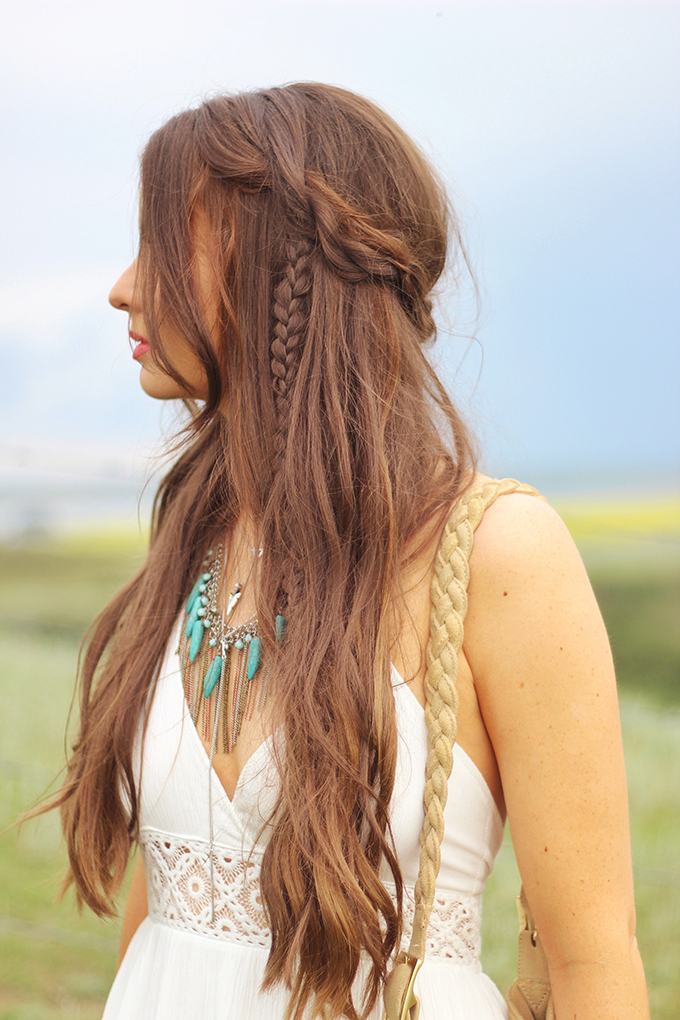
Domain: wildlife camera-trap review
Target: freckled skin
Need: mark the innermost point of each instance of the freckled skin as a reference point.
(545, 684)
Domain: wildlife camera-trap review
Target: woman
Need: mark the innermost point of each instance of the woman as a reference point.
(252, 707)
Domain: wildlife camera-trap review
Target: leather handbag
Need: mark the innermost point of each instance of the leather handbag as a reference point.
(530, 993)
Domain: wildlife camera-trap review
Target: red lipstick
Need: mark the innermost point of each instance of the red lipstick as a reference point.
(141, 347)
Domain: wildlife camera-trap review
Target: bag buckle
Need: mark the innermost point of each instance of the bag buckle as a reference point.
(401, 1001)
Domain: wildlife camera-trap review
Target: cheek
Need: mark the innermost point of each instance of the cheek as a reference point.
(193, 371)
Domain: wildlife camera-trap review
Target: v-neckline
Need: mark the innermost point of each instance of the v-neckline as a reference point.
(205, 757)
(242, 776)
(222, 795)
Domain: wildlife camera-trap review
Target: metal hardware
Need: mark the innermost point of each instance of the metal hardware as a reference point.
(410, 1008)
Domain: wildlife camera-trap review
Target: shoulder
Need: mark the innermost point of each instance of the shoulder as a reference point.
(522, 537)
(518, 518)
(528, 586)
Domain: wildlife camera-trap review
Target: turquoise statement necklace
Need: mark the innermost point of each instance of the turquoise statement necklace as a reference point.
(224, 678)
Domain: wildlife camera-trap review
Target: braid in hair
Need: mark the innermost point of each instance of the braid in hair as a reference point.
(360, 250)
(291, 314)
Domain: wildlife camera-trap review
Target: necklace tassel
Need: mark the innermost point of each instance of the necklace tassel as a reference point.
(225, 680)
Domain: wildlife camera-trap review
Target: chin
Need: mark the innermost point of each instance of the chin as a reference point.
(161, 387)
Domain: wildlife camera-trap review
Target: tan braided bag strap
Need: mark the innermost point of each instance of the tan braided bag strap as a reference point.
(447, 614)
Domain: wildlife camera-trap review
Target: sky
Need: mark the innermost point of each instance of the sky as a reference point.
(556, 127)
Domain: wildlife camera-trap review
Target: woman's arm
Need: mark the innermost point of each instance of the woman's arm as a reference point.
(136, 907)
(544, 677)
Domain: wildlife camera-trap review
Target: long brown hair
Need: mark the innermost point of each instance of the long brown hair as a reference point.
(326, 425)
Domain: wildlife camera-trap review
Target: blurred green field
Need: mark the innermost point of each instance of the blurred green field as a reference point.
(57, 963)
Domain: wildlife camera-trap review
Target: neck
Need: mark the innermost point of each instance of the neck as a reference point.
(246, 535)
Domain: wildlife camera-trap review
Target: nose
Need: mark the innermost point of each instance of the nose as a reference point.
(123, 290)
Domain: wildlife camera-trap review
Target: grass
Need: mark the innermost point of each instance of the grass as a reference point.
(56, 962)
(642, 615)
(48, 595)
(41, 978)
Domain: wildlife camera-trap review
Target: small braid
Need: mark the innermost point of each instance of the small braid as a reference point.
(291, 313)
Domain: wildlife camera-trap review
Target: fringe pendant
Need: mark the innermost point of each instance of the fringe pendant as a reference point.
(239, 675)
(225, 707)
(242, 695)
(251, 699)
(208, 706)
(224, 678)
(246, 686)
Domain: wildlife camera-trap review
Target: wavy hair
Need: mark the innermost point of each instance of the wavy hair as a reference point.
(327, 426)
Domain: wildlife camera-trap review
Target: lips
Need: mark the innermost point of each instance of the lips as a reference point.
(141, 346)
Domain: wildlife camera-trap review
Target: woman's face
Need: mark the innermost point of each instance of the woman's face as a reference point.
(153, 378)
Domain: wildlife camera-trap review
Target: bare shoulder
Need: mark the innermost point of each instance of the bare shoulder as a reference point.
(522, 541)
(531, 605)
(518, 523)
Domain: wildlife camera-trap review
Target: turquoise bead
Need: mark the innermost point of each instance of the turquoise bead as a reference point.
(201, 587)
(212, 642)
(193, 616)
(254, 657)
(207, 576)
(212, 676)
(201, 611)
(194, 593)
(280, 625)
(197, 632)
(248, 638)
(238, 644)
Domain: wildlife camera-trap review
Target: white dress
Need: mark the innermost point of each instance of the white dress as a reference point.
(181, 965)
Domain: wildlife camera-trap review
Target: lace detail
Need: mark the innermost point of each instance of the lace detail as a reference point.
(178, 881)
(178, 885)
(454, 931)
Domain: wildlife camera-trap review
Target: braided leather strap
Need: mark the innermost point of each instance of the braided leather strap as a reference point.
(447, 614)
